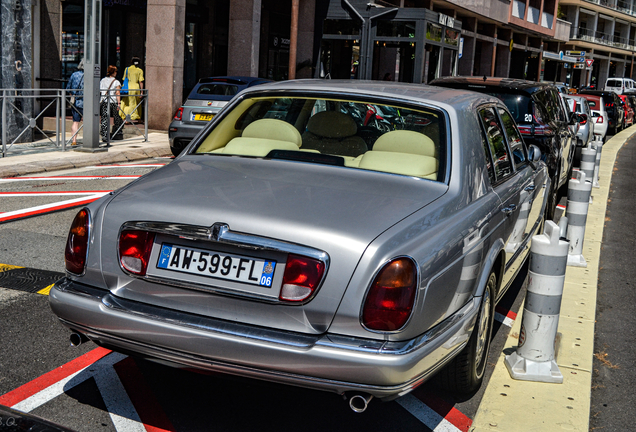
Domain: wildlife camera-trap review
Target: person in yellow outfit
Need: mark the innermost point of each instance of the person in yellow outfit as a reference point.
(129, 103)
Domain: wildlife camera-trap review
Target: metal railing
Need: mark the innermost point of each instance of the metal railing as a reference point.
(601, 38)
(619, 5)
(24, 109)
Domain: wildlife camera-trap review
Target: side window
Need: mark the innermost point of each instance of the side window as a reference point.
(496, 142)
(516, 144)
(489, 167)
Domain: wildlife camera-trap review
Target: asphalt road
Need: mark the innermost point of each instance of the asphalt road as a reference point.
(613, 381)
(33, 343)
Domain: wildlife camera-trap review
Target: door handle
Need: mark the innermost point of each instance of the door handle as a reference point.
(508, 210)
(529, 188)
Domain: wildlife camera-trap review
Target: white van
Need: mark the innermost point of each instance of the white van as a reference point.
(621, 85)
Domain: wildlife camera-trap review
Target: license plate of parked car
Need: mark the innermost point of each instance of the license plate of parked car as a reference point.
(202, 117)
(215, 264)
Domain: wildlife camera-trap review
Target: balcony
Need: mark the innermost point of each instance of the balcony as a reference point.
(622, 6)
(601, 38)
(563, 29)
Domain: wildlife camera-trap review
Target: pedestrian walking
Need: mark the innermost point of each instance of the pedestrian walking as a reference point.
(135, 76)
(110, 98)
(76, 86)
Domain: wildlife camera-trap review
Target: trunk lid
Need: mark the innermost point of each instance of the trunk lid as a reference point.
(320, 208)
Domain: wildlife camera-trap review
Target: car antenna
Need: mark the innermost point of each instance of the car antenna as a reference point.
(485, 78)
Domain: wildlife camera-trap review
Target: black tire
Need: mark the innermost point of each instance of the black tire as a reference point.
(465, 373)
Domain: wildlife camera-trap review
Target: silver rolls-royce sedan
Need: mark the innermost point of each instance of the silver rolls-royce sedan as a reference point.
(298, 242)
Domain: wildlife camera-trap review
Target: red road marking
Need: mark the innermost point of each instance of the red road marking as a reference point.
(446, 410)
(142, 397)
(506, 313)
(34, 211)
(29, 389)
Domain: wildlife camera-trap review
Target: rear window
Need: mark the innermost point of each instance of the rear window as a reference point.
(217, 89)
(592, 103)
(359, 134)
(520, 106)
(613, 83)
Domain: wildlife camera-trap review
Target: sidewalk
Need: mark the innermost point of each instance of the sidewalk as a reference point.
(510, 405)
(44, 159)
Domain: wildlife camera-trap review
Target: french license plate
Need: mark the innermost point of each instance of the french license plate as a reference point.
(217, 265)
(202, 117)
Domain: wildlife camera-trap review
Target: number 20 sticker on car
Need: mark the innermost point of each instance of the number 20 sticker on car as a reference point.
(211, 264)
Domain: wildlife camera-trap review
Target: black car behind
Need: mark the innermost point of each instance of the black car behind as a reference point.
(541, 118)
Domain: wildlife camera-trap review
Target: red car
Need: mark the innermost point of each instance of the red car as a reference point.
(629, 110)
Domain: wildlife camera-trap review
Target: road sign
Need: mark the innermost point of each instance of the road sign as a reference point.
(579, 66)
(575, 53)
(589, 62)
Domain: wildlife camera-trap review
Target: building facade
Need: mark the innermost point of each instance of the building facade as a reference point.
(180, 41)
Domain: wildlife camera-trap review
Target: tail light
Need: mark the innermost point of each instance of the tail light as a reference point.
(583, 118)
(599, 119)
(179, 114)
(77, 243)
(390, 299)
(134, 250)
(301, 278)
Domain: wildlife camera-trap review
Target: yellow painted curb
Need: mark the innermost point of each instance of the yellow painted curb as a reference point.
(7, 267)
(46, 291)
(520, 406)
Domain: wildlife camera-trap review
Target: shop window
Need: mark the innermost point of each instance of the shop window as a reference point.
(396, 29)
(451, 37)
(433, 32)
(72, 36)
(341, 27)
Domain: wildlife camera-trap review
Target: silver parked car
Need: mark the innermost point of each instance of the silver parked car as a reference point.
(585, 133)
(292, 243)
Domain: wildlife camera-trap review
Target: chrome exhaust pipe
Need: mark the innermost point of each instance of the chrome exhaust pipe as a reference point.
(359, 402)
(77, 339)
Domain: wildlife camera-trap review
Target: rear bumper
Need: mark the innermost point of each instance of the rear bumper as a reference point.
(324, 362)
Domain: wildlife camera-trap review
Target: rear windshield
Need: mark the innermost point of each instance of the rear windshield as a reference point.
(591, 103)
(349, 133)
(520, 106)
(613, 83)
(217, 89)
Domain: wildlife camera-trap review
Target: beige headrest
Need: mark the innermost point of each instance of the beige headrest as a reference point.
(273, 129)
(332, 124)
(405, 141)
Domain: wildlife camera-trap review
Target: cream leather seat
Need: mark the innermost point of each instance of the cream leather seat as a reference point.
(262, 136)
(405, 141)
(333, 132)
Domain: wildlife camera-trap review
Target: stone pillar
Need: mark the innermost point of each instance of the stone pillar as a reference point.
(15, 67)
(164, 60)
(305, 51)
(244, 37)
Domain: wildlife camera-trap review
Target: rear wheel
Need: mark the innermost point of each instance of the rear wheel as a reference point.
(465, 373)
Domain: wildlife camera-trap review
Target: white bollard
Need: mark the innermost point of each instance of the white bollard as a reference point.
(588, 162)
(534, 358)
(579, 190)
(599, 150)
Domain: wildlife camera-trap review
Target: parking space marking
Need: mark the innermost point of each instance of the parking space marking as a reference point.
(130, 166)
(505, 317)
(430, 417)
(116, 177)
(105, 367)
(48, 208)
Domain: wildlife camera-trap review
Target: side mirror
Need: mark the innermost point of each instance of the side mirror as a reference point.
(534, 154)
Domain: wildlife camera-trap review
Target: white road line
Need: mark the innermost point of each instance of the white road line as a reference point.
(426, 415)
(61, 193)
(6, 215)
(118, 404)
(23, 179)
(54, 390)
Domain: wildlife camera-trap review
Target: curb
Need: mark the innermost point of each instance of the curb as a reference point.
(510, 404)
(14, 166)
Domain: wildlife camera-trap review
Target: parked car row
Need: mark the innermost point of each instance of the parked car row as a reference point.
(346, 236)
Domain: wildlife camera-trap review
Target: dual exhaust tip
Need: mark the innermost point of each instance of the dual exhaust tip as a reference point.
(358, 402)
(77, 339)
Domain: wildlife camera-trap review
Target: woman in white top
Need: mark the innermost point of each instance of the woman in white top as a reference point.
(109, 88)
